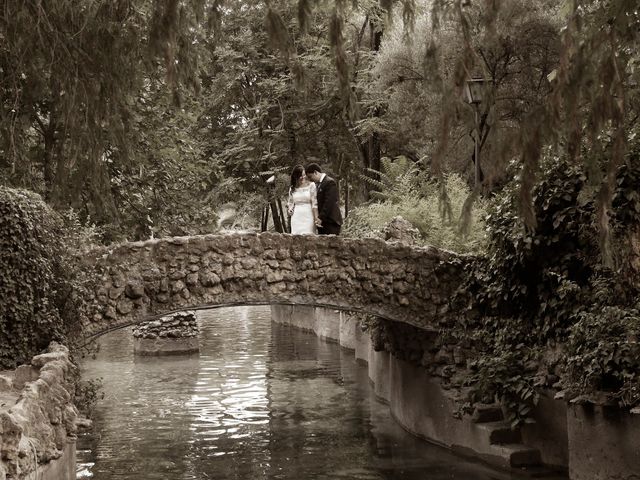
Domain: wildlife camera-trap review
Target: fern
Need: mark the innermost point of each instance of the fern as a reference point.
(404, 190)
(395, 181)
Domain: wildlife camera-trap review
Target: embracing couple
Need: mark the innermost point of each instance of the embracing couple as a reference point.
(314, 202)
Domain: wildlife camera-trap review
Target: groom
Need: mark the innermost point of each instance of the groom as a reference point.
(328, 201)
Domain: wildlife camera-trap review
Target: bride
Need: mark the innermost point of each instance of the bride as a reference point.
(303, 203)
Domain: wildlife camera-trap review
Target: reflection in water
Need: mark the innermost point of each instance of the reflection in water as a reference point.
(260, 401)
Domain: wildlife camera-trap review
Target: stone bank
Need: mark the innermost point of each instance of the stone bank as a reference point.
(587, 442)
(38, 421)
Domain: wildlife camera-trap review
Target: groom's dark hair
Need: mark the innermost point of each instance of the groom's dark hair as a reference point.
(313, 167)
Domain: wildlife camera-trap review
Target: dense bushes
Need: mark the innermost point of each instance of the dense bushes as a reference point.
(543, 291)
(411, 194)
(40, 280)
(604, 355)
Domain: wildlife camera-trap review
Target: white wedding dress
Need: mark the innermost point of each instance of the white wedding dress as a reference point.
(303, 200)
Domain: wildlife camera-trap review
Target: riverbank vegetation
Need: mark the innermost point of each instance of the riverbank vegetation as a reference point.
(162, 118)
(43, 282)
(547, 314)
(403, 189)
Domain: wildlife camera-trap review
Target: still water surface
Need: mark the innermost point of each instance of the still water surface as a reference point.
(260, 401)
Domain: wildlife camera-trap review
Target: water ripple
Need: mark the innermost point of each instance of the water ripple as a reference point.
(260, 401)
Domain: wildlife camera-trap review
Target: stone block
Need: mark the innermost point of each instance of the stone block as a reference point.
(23, 375)
(177, 286)
(134, 290)
(208, 278)
(487, 413)
(124, 307)
(115, 292)
(40, 361)
(177, 275)
(110, 313)
(522, 456)
(162, 298)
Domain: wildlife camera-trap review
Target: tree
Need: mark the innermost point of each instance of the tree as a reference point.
(591, 102)
(70, 74)
(411, 80)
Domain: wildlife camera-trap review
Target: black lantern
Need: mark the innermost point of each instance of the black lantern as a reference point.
(474, 90)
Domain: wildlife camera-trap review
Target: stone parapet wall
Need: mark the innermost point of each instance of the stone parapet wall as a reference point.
(156, 277)
(603, 443)
(37, 417)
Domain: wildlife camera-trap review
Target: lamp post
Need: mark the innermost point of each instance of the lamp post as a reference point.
(473, 93)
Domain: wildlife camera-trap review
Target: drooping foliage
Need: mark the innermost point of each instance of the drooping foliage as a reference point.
(593, 100)
(94, 132)
(542, 298)
(417, 83)
(71, 77)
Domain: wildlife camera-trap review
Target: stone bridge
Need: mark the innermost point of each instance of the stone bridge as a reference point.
(143, 280)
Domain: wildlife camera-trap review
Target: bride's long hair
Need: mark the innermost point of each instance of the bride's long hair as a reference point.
(296, 173)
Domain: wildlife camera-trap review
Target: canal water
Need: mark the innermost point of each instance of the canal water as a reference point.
(260, 401)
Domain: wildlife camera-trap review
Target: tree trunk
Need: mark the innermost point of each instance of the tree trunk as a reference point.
(482, 133)
(265, 219)
(629, 257)
(61, 184)
(292, 143)
(286, 228)
(370, 148)
(48, 158)
(346, 198)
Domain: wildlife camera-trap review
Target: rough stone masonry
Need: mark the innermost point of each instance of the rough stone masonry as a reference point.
(395, 281)
(170, 335)
(37, 415)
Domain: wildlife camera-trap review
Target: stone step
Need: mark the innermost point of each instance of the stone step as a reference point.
(501, 432)
(487, 413)
(519, 455)
(541, 471)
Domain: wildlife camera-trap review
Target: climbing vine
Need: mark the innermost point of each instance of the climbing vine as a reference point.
(41, 280)
(548, 314)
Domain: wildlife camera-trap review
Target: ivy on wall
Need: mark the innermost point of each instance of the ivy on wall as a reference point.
(38, 278)
(542, 311)
(548, 313)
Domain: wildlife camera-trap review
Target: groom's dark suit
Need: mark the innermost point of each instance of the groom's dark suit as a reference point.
(329, 207)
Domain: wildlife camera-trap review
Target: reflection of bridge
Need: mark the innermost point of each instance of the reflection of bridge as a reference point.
(146, 279)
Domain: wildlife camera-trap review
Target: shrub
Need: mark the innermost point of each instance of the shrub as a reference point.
(413, 196)
(604, 354)
(546, 290)
(40, 277)
(87, 395)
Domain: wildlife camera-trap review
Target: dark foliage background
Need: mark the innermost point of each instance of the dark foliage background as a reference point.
(41, 278)
(546, 313)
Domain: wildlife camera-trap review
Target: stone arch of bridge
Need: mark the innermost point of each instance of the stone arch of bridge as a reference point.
(140, 281)
(94, 332)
